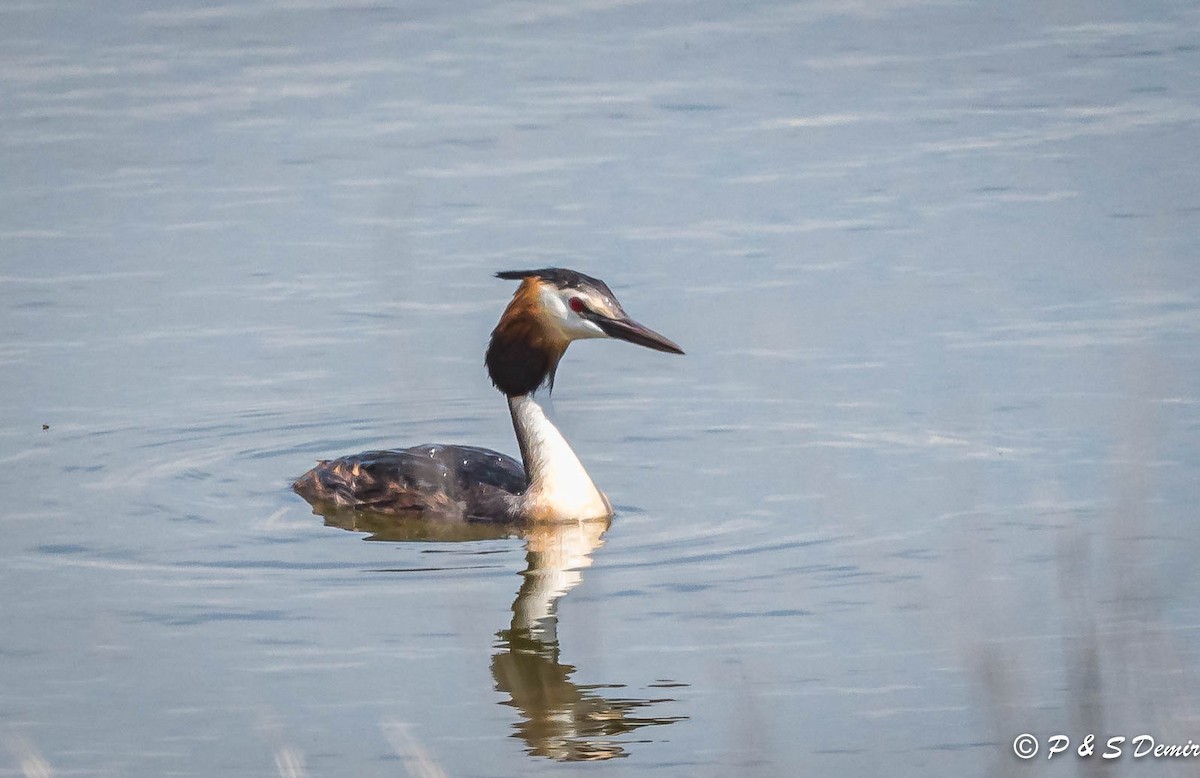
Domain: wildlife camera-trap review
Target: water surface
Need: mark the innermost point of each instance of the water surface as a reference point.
(925, 480)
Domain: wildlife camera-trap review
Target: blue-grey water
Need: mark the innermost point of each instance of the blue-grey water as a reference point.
(926, 479)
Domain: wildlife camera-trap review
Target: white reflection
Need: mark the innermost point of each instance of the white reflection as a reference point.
(559, 719)
(32, 764)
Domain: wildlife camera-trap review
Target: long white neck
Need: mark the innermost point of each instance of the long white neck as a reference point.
(559, 487)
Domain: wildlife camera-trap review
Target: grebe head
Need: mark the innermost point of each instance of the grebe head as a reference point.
(551, 308)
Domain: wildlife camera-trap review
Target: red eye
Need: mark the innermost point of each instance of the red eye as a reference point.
(577, 305)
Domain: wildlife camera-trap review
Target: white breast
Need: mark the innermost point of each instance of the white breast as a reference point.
(559, 487)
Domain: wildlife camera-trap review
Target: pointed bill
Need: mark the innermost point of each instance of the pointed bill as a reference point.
(630, 330)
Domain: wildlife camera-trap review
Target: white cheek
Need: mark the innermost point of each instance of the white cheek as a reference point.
(565, 320)
(555, 306)
(586, 329)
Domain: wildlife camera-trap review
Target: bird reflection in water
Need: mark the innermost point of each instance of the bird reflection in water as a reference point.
(559, 718)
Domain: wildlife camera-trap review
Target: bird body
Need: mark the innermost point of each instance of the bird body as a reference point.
(551, 308)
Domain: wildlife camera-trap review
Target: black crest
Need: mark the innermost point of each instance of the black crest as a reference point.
(560, 277)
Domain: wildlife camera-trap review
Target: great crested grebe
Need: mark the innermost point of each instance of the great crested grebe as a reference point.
(551, 308)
